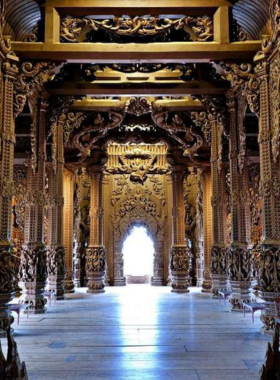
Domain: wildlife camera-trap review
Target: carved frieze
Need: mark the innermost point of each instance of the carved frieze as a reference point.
(179, 259)
(96, 259)
(83, 30)
(240, 263)
(219, 260)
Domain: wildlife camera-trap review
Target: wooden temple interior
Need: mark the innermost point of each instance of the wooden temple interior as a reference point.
(158, 114)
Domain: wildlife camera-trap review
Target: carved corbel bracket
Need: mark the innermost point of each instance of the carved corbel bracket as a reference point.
(243, 77)
(174, 125)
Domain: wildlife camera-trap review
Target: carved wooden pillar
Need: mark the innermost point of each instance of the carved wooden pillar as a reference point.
(56, 250)
(96, 255)
(219, 209)
(269, 122)
(239, 261)
(68, 224)
(81, 225)
(207, 231)
(157, 278)
(105, 202)
(8, 72)
(33, 266)
(179, 261)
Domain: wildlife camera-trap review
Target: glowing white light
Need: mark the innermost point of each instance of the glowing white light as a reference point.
(138, 252)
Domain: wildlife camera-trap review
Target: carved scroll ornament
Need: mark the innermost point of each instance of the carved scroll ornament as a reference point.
(74, 30)
(243, 77)
(84, 140)
(191, 141)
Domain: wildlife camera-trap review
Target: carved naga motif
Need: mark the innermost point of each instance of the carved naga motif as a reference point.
(85, 142)
(191, 141)
(75, 30)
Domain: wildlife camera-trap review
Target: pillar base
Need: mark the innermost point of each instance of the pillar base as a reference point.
(180, 282)
(55, 284)
(206, 285)
(120, 281)
(241, 292)
(157, 281)
(268, 315)
(68, 283)
(32, 295)
(219, 282)
(6, 319)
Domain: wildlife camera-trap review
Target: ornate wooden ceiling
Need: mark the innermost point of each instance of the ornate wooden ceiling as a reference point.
(251, 15)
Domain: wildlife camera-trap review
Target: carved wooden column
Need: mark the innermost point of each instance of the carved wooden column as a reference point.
(268, 77)
(207, 231)
(219, 208)
(56, 251)
(240, 262)
(96, 255)
(33, 266)
(8, 72)
(157, 278)
(179, 260)
(68, 224)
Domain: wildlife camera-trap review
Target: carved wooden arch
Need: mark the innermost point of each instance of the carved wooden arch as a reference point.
(153, 218)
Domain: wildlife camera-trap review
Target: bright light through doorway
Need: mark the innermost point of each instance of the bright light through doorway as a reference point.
(138, 253)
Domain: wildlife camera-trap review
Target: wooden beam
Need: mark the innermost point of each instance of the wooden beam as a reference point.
(170, 52)
(52, 26)
(221, 25)
(101, 105)
(137, 7)
(133, 89)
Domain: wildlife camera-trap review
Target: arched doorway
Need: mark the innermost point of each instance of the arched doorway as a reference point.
(138, 255)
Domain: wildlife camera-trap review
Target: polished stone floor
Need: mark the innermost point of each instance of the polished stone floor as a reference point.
(141, 332)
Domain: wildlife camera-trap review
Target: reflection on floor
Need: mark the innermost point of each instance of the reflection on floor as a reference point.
(140, 332)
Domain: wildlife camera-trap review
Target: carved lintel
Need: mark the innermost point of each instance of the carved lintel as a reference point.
(75, 30)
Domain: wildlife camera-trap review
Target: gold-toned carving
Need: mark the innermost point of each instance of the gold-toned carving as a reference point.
(202, 121)
(75, 30)
(137, 162)
(85, 142)
(243, 77)
(138, 106)
(191, 141)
